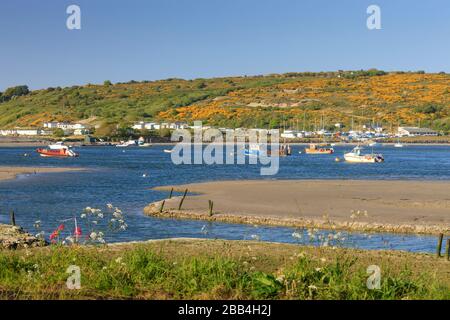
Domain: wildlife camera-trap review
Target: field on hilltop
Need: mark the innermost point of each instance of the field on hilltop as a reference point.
(279, 100)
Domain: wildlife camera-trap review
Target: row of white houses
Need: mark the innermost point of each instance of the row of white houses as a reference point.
(77, 129)
(25, 132)
(158, 126)
(416, 131)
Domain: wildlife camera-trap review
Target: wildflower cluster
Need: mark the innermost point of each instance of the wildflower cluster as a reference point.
(95, 221)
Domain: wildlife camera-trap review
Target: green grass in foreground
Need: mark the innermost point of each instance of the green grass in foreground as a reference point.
(173, 270)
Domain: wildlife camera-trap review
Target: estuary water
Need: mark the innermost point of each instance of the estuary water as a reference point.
(125, 176)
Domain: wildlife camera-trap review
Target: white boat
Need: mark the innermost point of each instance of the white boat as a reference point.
(356, 156)
(167, 151)
(129, 143)
(398, 144)
(141, 142)
(254, 150)
(57, 146)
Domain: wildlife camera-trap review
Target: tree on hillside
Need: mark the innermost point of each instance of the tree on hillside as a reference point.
(428, 109)
(106, 130)
(201, 85)
(59, 133)
(15, 92)
(164, 133)
(107, 83)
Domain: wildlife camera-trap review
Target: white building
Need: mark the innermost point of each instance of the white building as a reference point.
(178, 125)
(139, 125)
(51, 125)
(81, 132)
(416, 131)
(8, 132)
(157, 126)
(64, 125)
(22, 132)
(289, 134)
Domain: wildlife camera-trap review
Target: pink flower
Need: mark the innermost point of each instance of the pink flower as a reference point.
(77, 231)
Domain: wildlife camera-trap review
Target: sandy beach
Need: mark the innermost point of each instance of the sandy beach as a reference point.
(391, 206)
(7, 172)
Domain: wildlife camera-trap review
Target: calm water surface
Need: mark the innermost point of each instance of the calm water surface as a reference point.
(115, 176)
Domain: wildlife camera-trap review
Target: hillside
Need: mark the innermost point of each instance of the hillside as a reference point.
(290, 100)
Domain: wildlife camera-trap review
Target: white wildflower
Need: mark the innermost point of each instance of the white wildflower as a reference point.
(117, 215)
(281, 278)
(255, 237)
(296, 235)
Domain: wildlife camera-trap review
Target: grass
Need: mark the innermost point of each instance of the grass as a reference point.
(216, 269)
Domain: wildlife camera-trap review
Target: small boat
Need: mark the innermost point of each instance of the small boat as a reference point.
(322, 148)
(167, 151)
(141, 143)
(254, 150)
(356, 156)
(58, 150)
(129, 143)
(398, 144)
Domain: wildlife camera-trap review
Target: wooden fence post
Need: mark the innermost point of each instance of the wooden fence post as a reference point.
(162, 206)
(447, 249)
(439, 245)
(13, 217)
(211, 206)
(182, 199)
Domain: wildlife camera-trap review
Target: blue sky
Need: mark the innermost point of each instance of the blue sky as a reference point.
(157, 39)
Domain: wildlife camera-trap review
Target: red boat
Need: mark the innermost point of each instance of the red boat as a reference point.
(57, 150)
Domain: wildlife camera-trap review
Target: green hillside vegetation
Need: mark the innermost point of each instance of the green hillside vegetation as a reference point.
(278, 100)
